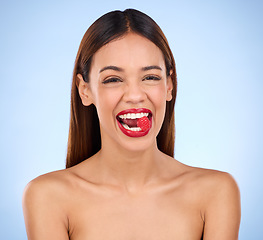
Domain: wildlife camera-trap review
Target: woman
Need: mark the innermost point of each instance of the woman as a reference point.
(121, 180)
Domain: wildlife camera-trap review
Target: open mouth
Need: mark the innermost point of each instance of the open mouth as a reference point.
(135, 122)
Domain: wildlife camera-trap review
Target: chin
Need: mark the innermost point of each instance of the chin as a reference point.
(138, 145)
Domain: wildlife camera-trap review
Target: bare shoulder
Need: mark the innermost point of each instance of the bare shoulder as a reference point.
(54, 188)
(220, 202)
(45, 204)
(54, 183)
(217, 184)
(210, 181)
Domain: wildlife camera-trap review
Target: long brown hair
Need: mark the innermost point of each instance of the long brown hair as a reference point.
(84, 132)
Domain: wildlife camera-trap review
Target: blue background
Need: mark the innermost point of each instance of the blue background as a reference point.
(218, 51)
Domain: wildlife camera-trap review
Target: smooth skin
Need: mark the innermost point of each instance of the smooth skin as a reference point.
(129, 189)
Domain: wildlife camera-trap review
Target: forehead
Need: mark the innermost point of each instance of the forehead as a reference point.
(130, 51)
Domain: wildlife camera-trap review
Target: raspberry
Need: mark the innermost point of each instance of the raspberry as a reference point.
(144, 123)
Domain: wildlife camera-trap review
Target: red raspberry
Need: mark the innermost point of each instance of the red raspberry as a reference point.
(144, 123)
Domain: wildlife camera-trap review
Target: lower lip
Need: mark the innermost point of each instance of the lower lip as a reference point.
(130, 133)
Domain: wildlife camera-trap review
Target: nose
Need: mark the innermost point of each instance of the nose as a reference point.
(134, 93)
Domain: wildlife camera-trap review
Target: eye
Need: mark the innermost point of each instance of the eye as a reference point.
(152, 77)
(111, 80)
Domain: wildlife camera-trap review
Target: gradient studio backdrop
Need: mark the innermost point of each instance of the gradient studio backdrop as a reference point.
(218, 51)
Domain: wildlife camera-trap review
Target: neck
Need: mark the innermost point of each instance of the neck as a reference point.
(131, 170)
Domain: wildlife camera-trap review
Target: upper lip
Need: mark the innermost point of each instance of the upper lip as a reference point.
(134, 110)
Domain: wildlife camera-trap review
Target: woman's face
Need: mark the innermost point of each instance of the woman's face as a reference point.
(129, 87)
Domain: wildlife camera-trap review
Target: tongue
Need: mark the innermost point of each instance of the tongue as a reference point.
(142, 122)
(130, 122)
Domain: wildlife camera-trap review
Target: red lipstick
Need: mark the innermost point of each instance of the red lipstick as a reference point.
(135, 122)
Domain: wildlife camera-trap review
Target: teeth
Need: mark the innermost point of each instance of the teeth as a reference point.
(135, 129)
(133, 115)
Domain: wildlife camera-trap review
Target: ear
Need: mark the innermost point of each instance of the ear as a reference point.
(84, 91)
(169, 95)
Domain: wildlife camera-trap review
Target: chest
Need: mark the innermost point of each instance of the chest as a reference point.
(166, 217)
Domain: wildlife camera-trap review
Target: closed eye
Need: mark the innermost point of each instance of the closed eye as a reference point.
(152, 77)
(112, 80)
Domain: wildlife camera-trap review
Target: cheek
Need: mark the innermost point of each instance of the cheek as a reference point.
(106, 100)
(158, 96)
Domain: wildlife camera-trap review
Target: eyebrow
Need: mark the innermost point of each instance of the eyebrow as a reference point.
(147, 68)
(151, 67)
(112, 68)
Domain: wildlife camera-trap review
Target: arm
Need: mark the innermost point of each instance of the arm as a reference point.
(44, 215)
(222, 214)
